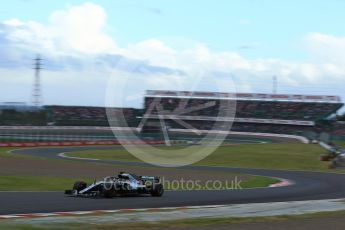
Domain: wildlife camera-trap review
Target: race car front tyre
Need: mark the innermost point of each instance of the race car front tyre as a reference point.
(157, 190)
(108, 193)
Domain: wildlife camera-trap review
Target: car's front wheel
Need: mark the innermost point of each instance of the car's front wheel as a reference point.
(157, 190)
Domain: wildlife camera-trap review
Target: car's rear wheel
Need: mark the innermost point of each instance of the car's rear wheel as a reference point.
(107, 190)
(157, 190)
(108, 193)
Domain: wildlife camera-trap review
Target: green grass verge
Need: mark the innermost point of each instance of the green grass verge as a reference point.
(4, 152)
(340, 143)
(290, 156)
(287, 156)
(107, 154)
(258, 182)
(35, 183)
(31, 183)
(46, 183)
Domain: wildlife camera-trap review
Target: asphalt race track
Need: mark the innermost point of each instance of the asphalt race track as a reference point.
(307, 186)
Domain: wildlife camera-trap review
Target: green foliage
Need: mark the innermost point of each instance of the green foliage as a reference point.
(13, 117)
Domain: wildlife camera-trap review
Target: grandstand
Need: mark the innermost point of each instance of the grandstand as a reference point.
(339, 129)
(267, 113)
(243, 112)
(88, 116)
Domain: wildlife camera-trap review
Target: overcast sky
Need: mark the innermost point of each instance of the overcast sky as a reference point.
(91, 48)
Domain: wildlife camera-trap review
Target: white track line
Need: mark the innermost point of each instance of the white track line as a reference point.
(77, 158)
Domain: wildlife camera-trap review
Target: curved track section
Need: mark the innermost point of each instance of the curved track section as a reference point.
(307, 186)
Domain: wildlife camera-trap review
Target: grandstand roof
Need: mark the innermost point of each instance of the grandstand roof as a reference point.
(244, 96)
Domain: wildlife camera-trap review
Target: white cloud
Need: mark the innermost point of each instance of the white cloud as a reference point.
(81, 32)
(155, 51)
(326, 47)
(328, 54)
(76, 30)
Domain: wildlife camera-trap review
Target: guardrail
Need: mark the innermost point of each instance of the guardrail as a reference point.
(296, 137)
(77, 143)
(64, 128)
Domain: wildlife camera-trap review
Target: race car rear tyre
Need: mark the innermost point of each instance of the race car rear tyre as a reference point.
(108, 193)
(157, 190)
(79, 185)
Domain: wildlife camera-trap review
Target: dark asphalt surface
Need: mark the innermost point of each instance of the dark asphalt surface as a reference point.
(307, 186)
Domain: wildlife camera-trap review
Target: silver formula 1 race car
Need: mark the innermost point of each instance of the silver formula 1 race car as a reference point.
(122, 184)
